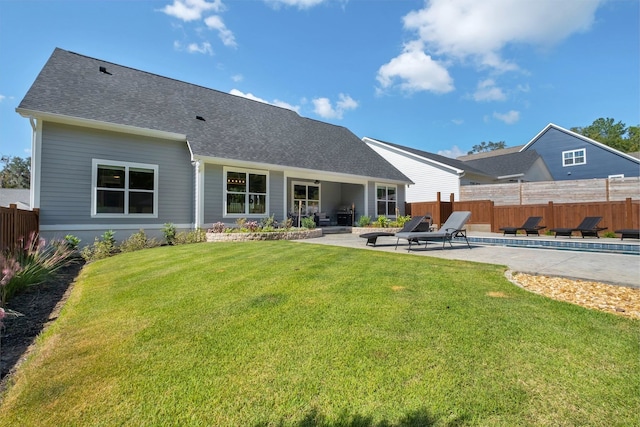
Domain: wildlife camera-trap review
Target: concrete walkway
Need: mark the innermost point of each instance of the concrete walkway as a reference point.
(618, 269)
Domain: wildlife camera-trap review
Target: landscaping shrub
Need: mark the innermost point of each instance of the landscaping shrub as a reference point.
(382, 221)
(102, 247)
(194, 236)
(137, 241)
(72, 241)
(218, 227)
(33, 263)
(169, 231)
(308, 222)
(364, 221)
(286, 223)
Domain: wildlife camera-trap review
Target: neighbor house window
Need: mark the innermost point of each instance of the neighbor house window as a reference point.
(386, 200)
(574, 157)
(306, 198)
(246, 192)
(124, 189)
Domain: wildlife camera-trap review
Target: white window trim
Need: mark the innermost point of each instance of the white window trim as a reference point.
(307, 184)
(227, 169)
(584, 150)
(126, 165)
(379, 184)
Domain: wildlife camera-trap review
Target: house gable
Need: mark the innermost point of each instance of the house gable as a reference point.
(571, 156)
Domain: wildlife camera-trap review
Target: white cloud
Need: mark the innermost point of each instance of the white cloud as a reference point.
(192, 10)
(488, 91)
(215, 22)
(457, 121)
(452, 153)
(204, 47)
(275, 102)
(509, 118)
(2, 98)
(324, 108)
(416, 71)
(237, 78)
(477, 33)
(481, 29)
(300, 4)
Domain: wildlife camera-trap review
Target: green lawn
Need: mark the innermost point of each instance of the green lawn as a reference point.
(285, 333)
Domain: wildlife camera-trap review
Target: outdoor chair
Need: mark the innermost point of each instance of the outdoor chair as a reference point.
(453, 227)
(321, 219)
(530, 226)
(588, 227)
(415, 224)
(629, 233)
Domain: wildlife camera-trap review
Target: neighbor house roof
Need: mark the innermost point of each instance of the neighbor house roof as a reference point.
(16, 196)
(511, 164)
(453, 164)
(95, 92)
(492, 153)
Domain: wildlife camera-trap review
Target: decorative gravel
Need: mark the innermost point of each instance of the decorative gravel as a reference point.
(620, 300)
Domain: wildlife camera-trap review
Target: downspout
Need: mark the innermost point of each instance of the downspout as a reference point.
(36, 151)
(198, 207)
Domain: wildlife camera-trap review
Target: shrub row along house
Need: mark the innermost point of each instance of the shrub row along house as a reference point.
(122, 149)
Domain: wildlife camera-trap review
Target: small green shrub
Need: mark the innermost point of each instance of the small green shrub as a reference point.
(364, 221)
(194, 236)
(72, 241)
(169, 231)
(382, 221)
(308, 222)
(609, 234)
(268, 224)
(137, 242)
(102, 247)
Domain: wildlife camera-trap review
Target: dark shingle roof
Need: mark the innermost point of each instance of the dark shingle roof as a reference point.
(506, 164)
(234, 128)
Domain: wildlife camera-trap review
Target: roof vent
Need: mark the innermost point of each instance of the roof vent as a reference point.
(200, 118)
(103, 70)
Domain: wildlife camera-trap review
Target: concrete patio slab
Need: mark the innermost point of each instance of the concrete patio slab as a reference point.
(613, 268)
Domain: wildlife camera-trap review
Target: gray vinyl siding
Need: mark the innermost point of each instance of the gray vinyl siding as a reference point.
(213, 194)
(66, 173)
(600, 162)
(276, 195)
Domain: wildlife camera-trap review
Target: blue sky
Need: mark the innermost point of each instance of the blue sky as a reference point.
(440, 75)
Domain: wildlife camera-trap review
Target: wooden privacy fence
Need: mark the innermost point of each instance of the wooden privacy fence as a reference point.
(16, 224)
(615, 214)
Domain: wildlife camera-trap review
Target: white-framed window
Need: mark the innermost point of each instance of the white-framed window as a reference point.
(245, 192)
(386, 200)
(121, 189)
(574, 157)
(306, 198)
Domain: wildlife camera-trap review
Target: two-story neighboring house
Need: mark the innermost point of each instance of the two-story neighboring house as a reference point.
(570, 156)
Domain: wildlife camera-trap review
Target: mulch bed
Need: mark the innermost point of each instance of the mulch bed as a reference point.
(38, 305)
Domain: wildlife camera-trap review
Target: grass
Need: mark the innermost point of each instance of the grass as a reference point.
(282, 333)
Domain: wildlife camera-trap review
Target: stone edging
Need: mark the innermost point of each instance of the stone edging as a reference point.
(275, 235)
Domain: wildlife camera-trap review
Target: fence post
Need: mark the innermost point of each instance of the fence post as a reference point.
(436, 220)
(628, 213)
(550, 217)
(492, 216)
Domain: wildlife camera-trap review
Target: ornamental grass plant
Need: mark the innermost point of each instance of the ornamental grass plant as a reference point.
(281, 333)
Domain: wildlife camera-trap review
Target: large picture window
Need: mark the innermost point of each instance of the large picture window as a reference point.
(306, 198)
(123, 189)
(246, 192)
(574, 157)
(386, 200)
